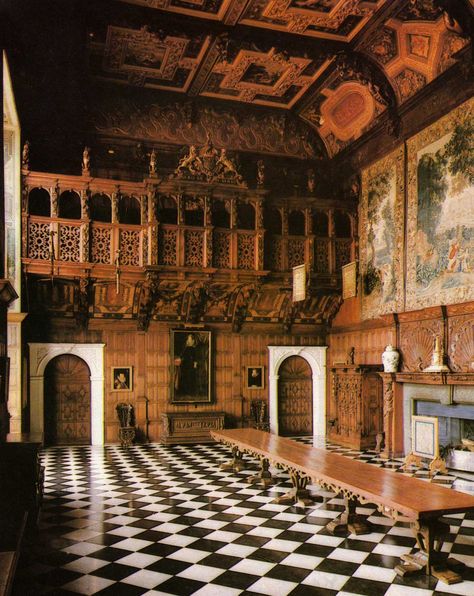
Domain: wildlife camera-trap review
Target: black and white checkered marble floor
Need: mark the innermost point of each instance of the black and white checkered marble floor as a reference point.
(157, 519)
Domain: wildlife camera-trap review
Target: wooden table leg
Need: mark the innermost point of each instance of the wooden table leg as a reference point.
(430, 535)
(236, 464)
(264, 477)
(299, 494)
(349, 522)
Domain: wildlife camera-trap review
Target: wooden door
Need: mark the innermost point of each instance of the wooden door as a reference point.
(295, 397)
(67, 402)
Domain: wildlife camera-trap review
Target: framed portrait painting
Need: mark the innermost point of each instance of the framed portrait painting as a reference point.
(190, 366)
(255, 377)
(122, 378)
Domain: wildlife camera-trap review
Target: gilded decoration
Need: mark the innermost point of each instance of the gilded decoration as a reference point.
(381, 236)
(441, 212)
(142, 57)
(266, 78)
(330, 19)
(413, 52)
(171, 122)
(209, 164)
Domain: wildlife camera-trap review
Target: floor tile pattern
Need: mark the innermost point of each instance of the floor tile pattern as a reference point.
(155, 520)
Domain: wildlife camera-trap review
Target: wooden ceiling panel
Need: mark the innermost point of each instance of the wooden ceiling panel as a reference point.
(326, 19)
(338, 64)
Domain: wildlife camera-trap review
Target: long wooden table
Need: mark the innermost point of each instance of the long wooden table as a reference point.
(395, 495)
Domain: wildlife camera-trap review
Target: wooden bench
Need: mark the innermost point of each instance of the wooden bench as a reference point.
(395, 495)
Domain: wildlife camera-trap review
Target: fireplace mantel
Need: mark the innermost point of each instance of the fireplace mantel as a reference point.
(435, 378)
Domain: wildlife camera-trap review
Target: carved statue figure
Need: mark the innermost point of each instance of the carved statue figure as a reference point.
(25, 156)
(228, 166)
(153, 161)
(86, 160)
(191, 162)
(260, 172)
(311, 180)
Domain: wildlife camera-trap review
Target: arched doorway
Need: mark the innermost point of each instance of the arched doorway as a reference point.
(295, 397)
(67, 401)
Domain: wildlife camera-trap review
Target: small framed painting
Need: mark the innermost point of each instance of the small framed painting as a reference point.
(349, 280)
(255, 377)
(122, 379)
(425, 436)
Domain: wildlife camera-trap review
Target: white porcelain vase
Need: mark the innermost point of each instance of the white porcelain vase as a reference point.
(390, 359)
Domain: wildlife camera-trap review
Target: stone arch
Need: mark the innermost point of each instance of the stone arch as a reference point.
(316, 358)
(93, 355)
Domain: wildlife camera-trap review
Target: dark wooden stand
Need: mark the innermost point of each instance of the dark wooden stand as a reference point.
(190, 427)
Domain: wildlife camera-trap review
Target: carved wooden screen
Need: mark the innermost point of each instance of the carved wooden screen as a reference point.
(67, 402)
(295, 412)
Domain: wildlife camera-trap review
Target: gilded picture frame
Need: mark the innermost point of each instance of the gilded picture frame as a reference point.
(424, 436)
(122, 378)
(349, 280)
(190, 371)
(255, 377)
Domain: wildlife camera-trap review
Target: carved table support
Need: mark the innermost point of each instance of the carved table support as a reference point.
(264, 477)
(237, 464)
(349, 522)
(430, 535)
(299, 494)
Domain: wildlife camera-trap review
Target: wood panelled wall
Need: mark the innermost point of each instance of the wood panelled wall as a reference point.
(149, 355)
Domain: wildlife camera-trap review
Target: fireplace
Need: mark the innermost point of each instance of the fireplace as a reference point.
(453, 405)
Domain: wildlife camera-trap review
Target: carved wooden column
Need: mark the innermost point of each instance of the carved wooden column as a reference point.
(152, 227)
(259, 252)
(388, 380)
(233, 238)
(284, 234)
(115, 202)
(85, 203)
(55, 192)
(309, 239)
(208, 232)
(85, 225)
(24, 219)
(332, 242)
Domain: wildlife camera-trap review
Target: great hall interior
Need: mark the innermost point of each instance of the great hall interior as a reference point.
(237, 264)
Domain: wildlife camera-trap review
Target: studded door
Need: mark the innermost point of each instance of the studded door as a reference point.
(295, 397)
(67, 402)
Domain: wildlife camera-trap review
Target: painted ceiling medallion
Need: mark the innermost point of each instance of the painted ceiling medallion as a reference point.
(414, 52)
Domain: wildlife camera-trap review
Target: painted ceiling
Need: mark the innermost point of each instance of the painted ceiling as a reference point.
(340, 66)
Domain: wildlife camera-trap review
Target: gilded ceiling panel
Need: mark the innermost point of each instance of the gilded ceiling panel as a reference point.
(266, 78)
(144, 58)
(415, 47)
(328, 19)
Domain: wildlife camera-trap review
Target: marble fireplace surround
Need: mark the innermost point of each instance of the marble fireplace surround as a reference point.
(450, 403)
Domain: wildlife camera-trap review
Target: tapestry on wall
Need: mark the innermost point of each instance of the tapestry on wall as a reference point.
(381, 236)
(440, 245)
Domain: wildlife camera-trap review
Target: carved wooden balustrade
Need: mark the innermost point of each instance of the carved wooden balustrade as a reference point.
(172, 226)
